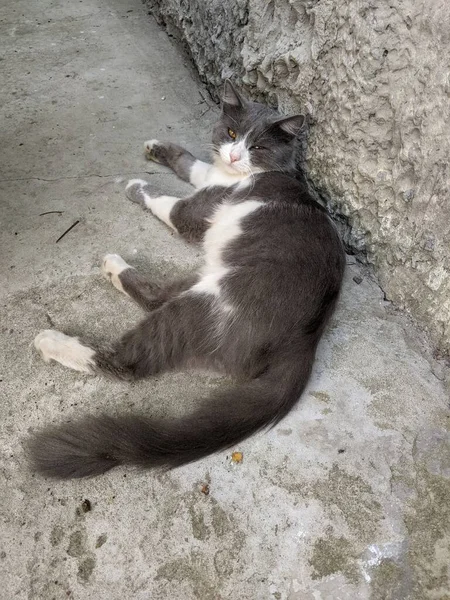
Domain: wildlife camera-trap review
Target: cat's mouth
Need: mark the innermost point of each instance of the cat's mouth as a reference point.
(233, 168)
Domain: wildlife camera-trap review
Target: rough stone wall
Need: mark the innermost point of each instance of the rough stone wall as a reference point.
(375, 77)
(212, 30)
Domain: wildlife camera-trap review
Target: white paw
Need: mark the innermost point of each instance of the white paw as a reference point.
(132, 182)
(69, 351)
(135, 191)
(112, 267)
(113, 264)
(148, 147)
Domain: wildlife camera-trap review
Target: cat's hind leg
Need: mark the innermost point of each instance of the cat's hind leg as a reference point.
(182, 329)
(183, 163)
(147, 294)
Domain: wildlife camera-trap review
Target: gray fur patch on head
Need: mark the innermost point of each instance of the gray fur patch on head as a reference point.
(270, 138)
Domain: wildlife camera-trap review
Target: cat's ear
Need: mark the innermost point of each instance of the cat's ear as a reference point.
(290, 125)
(231, 97)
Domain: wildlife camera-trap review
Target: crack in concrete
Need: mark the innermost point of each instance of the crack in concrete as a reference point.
(85, 176)
(51, 21)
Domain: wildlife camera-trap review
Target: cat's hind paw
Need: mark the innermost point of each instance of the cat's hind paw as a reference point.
(135, 191)
(112, 266)
(69, 351)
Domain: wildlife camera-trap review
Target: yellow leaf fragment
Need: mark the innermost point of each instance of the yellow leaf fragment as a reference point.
(237, 457)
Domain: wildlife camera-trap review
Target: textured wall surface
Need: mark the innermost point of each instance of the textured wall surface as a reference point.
(375, 77)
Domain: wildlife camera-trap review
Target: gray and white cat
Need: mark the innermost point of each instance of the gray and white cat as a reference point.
(256, 310)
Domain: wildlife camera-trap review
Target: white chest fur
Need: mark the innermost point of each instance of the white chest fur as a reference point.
(225, 228)
(203, 175)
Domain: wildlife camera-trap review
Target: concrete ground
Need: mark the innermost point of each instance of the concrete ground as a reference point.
(348, 498)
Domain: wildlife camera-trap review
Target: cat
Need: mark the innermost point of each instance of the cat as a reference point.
(273, 270)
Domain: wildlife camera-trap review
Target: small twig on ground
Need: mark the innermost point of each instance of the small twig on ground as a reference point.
(67, 231)
(205, 111)
(49, 320)
(52, 212)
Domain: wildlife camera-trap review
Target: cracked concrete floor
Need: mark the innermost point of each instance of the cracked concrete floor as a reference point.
(348, 498)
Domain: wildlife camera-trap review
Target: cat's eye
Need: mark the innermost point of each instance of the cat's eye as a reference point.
(257, 148)
(232, 134)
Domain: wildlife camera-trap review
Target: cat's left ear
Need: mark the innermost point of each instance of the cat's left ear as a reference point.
(231, 96)
(291, 125)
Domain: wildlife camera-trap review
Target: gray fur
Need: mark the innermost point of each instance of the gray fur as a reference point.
(281, 276)
(135, 193)
(261, 126)
(175, 157)
(148, 294)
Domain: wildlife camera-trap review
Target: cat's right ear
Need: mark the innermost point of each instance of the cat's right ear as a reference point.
(231, 97)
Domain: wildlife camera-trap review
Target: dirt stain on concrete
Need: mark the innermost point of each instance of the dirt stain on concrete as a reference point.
(388, 582)
(78, 549)
(205, 571)
(428, 525)
(331, 555)
(321, 396)
(192, 570)
(56, 535)
(199, 528)
(76, 544)
(353, 497)
(86, 568)
(101, 540)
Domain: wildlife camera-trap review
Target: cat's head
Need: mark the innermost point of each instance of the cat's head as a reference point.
(252, 138)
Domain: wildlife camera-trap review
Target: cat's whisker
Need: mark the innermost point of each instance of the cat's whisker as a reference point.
(215, 149)
(252, 180)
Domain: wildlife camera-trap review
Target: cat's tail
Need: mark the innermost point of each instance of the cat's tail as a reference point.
(97, 444)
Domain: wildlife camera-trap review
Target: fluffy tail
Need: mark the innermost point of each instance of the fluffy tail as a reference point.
(97, 444)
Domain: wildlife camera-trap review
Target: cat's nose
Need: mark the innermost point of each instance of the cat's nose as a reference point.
(235, 155)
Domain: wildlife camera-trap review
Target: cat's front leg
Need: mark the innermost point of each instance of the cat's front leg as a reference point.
(139, 191)
(190, 216)
(182, 162)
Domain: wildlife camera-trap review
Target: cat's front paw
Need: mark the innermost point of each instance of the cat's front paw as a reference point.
(136, 191)
(156, 151)
(149, 149)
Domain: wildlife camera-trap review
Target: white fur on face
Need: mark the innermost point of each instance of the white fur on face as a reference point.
(112, 267)
(225, 227)
(69, 351)
(227, 151)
